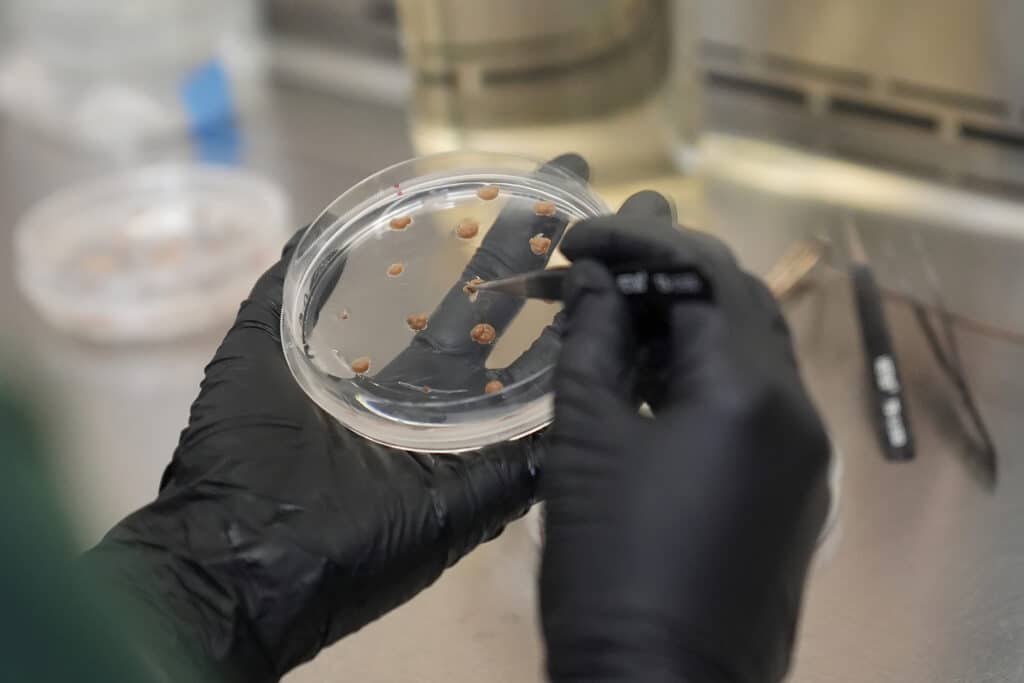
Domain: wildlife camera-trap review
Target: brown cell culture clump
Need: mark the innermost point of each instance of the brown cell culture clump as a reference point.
(417, 322)
(483, 334)
(168, 253)
(396, 269)
(361, 365)
(487, 192)
(470, 288)
(99, 264)
(467, 229)
(343, 314)
(493, 387)
(539, 244)
(545, 208)
(400, 222)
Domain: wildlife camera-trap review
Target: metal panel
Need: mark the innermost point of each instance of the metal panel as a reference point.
(931, 87)
(957, 47)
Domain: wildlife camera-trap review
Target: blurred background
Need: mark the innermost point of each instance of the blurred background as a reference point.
(155, 155)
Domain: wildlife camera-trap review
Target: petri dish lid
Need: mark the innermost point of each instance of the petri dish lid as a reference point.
(149, 254)
(378, 326)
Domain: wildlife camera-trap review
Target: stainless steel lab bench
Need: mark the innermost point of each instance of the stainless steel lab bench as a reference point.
(923, 581)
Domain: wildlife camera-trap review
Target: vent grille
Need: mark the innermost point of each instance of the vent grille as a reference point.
(945, 98)
(752, 86)
(893, 104)
(846, 78)
(843, 106)
(993, 136)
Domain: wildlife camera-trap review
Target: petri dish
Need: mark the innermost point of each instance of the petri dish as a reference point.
(379, 327)
(149, 254)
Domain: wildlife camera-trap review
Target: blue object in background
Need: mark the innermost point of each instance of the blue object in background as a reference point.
(219, 144)
(209, 106)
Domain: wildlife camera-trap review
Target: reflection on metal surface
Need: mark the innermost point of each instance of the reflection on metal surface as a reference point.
(930, 88)
(909, 85)
(795, 174)
(766, 197)
(480, 63)
(592, 76)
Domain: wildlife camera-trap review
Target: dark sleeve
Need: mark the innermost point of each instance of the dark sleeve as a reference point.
(57, 623)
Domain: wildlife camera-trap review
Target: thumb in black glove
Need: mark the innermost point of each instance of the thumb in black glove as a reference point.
(676, 547)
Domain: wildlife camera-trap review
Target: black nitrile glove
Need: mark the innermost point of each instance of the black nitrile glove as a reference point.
(276, 531)
(676, 547)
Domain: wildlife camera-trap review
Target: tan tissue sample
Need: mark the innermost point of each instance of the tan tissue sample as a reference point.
(417, 322)
(487, 192)
(483, 334)
(467, 229)
(99, 264)
(539, 244)
(545, 208)
(470, 288)
(168, 253)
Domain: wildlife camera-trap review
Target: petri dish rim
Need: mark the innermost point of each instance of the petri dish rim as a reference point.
(128, 314)
(337, 230)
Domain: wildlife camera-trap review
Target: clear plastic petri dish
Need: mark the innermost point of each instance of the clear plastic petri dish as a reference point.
(149, 254)
(378, 324)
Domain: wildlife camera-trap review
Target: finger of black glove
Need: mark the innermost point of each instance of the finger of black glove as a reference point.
(649, 204)
(743, 324)
(571, 163)
(595, 365)
(505, 251)
(617, 240)
(773, 319)
(697, 334)
(644, 230)
(482, 493)
(455, 503)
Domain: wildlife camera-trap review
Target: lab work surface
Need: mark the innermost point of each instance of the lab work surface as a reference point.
(922, 580)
